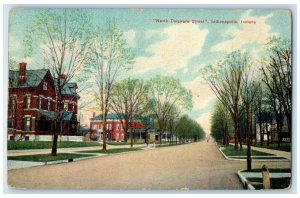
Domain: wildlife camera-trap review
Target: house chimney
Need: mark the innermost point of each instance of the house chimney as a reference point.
(94, 114)
(62, 78)
(22, 73)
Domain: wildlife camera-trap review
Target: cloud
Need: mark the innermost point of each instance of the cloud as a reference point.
(182, 42)
(202, 94)
(246, 33)
(130, 38)
(151, 33)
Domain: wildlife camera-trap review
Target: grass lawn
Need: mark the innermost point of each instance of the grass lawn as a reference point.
(48, 157)
(20, 145)
(111, 151)
(230, 151)
(283, 146)
(122, 143)
(167, 145)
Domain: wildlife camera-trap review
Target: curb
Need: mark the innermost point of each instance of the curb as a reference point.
(244, 181)
(249, 186)
(68, 160)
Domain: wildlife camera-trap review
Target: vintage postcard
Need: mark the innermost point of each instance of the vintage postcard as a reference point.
(149, 99)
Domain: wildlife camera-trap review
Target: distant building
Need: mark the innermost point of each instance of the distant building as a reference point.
(32, 104)
(114, 128)
(270, 127)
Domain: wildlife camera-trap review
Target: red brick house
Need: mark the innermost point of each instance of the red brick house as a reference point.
(114, 127)
(69, 107)
(32, 103)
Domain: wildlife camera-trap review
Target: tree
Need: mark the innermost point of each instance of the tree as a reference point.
(188, 129)
(277, 75)
(126, 97)
(164, 93)
(12, 64)
(171, 122)
(258, 108)
(109, 57)
(221, 123)
(248, 94)
(148, 122)
(65, 38)
(226, 81)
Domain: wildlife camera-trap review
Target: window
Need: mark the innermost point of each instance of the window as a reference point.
(108, 126)
(94, 126)
(66, 106)
(40, 102)
(28, 102)
(49, 104)
(27, 124)
(45, 85)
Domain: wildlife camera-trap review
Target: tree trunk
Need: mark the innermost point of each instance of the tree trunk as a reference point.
(55, 138)
(255, 129)
(268, 135)
(249, 168)
(250, 128)
(57, 124)
(235, 133)
(249, 160)
(125, 135)
(261, 131)
(239, 136)
(104, 131)
(131, 138)
(160, 137)
(289, 117)
(279, 129)
(146, 137)
(260, 125)
(226, 135)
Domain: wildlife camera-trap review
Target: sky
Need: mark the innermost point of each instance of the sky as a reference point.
(174, 42)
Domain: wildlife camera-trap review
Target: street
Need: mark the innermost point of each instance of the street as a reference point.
(195, 166)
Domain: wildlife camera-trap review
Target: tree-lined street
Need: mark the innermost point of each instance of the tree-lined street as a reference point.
(158, 102)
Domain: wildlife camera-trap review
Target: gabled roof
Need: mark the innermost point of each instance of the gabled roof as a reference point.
(109, 116)
(33, 78)
(69, 89)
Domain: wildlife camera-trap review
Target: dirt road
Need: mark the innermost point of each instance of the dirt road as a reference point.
(194, 166)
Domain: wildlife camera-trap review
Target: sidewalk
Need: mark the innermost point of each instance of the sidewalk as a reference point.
(278, 153)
